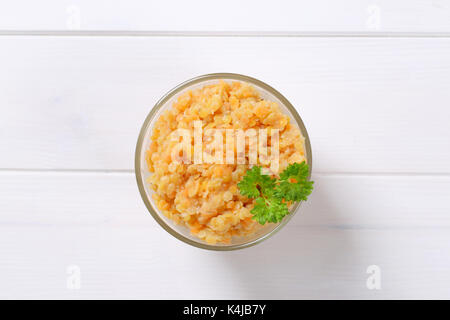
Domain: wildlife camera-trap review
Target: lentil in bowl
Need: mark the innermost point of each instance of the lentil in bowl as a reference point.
(200, 204)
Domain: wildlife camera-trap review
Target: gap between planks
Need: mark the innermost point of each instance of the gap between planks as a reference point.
(279, 34)
(318, 173)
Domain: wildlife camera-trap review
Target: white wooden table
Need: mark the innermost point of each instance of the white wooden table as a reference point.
(371, 80)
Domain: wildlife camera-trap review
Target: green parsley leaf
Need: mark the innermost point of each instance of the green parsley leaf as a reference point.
(272, 195)
(254, 183)
(269, 210)
(294, 184)
(295, 170)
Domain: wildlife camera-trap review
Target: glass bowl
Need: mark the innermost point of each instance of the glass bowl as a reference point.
(181, 232)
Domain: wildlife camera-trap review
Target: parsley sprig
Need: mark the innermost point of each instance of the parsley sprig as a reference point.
(272, 195)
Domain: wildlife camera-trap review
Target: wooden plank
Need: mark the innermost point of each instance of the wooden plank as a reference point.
(140, 262)
(233, 16)
(97, 223)
(370, 105)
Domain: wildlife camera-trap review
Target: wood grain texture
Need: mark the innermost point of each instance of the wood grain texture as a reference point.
(369, 78)
(233, 16)
(97, 222)
(370, 105)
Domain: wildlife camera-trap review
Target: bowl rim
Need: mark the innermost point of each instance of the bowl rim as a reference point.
(140, 148)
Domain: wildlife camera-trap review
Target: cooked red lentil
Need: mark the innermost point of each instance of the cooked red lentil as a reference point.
(205, 197)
